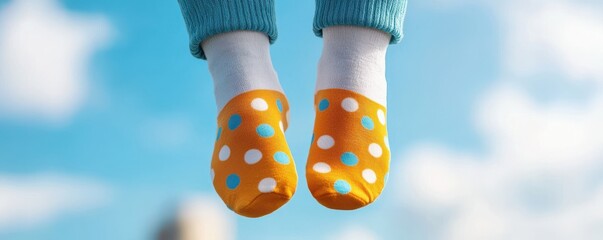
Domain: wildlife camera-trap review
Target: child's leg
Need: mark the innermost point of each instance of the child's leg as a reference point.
(252, 168)
(349, 158)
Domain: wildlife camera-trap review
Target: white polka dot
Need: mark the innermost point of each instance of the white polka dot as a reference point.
(267, 185)
(369, 175)
(375, 150)
(252, 156)
(325, 142)
(381, 116)
(280, 124)
(259, 104)
(224, 153)
(349, 104)
(321, 167)
(212, 174)
(386, 140)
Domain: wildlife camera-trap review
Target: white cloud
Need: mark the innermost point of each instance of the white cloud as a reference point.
(539, 177)
(558, 37)
(45, 52)
(561, 37)
(26, 201)
(540, 136)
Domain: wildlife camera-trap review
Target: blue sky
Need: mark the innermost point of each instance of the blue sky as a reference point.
(144, 129)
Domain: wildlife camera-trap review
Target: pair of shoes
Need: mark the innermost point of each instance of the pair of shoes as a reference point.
(252, 167)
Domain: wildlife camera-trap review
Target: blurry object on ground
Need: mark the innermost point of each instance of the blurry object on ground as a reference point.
(198, 218)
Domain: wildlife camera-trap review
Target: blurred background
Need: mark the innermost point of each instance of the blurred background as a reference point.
(495, 117)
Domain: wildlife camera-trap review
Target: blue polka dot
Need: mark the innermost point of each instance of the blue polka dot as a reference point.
(232, 181)
(367, 123)
(281, 158)
(265, 130)
(349, 158)
(324, 104)
(342, 187)
(279, 104)
(234, 121)
(219, 133)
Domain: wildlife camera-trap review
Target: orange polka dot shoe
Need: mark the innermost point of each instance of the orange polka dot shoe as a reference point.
(349, 157)
(252, 168)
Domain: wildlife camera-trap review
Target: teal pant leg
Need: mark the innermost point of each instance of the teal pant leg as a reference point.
(205, 18)
(385, 15)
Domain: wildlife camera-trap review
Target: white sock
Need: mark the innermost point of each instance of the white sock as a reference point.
(353, 58)
(239, 62)
(349, 159)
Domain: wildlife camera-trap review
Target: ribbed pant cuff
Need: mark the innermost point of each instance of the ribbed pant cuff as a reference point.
(384, 15)
(205, 18)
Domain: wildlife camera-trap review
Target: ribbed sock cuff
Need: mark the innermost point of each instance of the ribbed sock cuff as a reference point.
(384, 15)
(205, 18)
